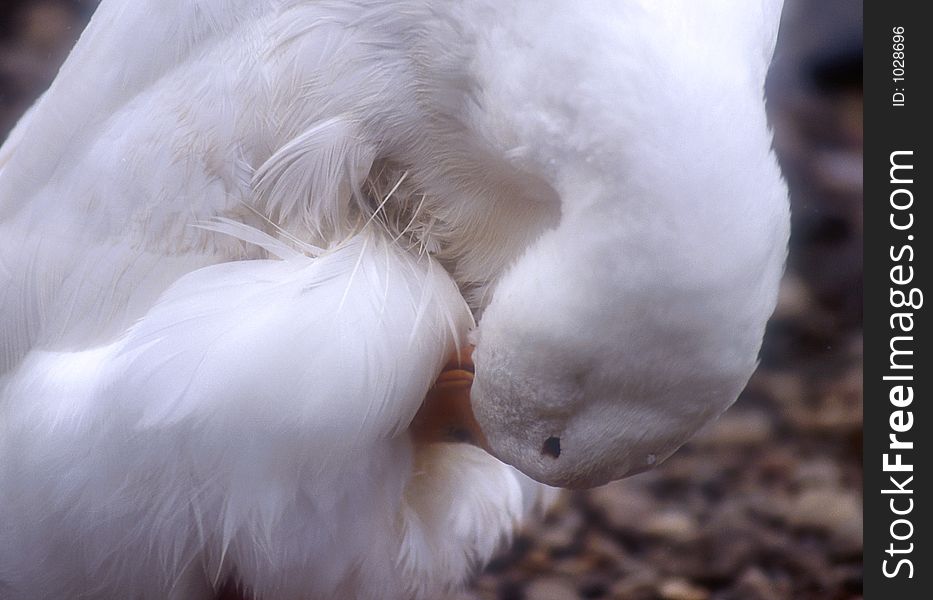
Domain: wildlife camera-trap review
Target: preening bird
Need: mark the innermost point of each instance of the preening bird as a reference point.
(240, 239)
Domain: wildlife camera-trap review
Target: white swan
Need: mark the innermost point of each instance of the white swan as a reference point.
(239, 238)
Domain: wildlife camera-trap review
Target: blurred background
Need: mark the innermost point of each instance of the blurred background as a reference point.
(766, 503)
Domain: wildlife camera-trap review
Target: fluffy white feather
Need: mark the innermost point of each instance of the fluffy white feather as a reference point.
(244, 427)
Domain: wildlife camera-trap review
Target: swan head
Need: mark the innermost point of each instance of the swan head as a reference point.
(613, 340)
(639, 318)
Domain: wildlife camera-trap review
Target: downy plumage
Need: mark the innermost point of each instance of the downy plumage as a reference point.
(239, 238)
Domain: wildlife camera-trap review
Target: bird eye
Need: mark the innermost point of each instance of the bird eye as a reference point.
(551, 447)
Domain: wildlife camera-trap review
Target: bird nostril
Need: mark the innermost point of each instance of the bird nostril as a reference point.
(551, 447)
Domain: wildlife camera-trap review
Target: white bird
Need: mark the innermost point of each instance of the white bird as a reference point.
(240, 238)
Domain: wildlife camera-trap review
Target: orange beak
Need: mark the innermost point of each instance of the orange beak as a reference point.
(446, 414)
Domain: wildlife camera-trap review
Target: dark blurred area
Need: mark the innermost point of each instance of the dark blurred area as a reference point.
(35, 38)
(766, 503)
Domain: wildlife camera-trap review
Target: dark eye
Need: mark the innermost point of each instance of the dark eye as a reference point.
(551, 447)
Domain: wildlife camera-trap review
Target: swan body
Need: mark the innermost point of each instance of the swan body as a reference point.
(239, 239)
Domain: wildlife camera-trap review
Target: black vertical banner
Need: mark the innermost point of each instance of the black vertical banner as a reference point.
(898, 387)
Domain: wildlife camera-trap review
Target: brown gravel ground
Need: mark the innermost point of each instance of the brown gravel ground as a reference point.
(766, 503)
